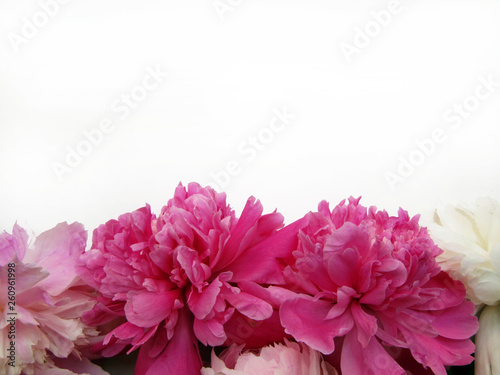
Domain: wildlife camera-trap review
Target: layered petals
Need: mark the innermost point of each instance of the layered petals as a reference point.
(470, 238)
(180, 356)
(367, 281)
(281, 359)
(148, 269)
(306, 320)
(42, 309)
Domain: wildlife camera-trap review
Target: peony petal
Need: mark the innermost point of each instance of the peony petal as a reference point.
(202, 304)
(366, 324)
(488, 341)
(196, 271)
(486, 215)
(233, 248)
(90, 267)
(306, 321)
(146, 309)
(495, 256)
(259, 263)
(342, 267)
(372, 359)
(57, 251)
(211, 332)
(27, 277)
(219, 367)
(437, 352)
(456, 322)
(181, 356)
(253, 307)
(13, 245)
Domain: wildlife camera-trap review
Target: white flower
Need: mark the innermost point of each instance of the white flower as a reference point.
(470, 239)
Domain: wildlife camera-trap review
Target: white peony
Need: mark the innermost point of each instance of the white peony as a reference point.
(470, 239)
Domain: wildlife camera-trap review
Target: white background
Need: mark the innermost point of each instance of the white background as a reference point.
(228, 71)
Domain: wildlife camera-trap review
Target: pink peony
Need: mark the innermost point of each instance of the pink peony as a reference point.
(366, 287)
(288, 359)
(167, 282)
(41, 290)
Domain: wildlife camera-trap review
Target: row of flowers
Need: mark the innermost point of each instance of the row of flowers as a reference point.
(349, 290)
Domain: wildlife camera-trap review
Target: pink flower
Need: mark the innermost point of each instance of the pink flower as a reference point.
(366, 287)
(288, 359)
(179, 278)
(41, 302)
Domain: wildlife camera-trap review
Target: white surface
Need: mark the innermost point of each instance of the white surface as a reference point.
(353, 120)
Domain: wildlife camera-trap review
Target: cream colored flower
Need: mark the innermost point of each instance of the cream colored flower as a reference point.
(470, 239)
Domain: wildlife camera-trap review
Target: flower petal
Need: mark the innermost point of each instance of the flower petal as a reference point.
(146, 309)
(13, 245)
(259, 263)
(253, 307)
(180, 357)
(488, 341)
(57, 251)
(372, 359)
(306, 321)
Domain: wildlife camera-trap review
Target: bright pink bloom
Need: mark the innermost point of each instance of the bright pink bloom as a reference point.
(48, 299)
(366, 287)
(173, 280)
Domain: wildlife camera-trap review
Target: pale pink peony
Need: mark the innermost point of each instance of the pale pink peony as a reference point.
(366, 287)
(170, 281)
(49, 301)
(280, 359)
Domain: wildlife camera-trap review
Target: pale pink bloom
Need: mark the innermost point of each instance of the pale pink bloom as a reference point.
(195, 264)
(49, 301)
(366, 287)
(280, 359)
